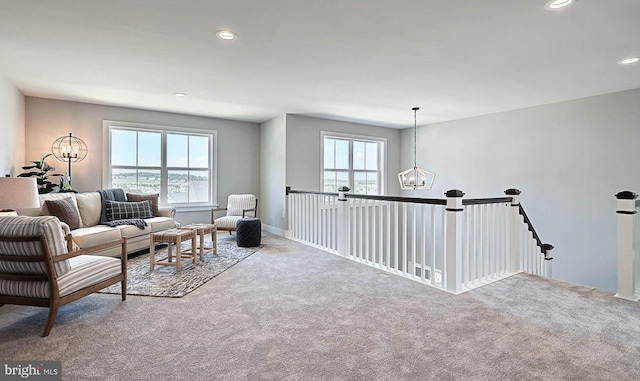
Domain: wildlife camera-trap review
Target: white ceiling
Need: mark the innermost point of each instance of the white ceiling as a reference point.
(363, 61)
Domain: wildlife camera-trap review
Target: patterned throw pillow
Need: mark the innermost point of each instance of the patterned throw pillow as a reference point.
(65, 210)
(117, 210)
(153, 197)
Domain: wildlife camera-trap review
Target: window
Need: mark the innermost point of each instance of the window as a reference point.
(356, 162)
(176, 163)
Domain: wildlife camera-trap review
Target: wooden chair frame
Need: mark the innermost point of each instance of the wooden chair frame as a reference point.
(244, 212)
(55, 301)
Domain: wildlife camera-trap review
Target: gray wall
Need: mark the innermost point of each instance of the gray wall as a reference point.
(238, 152)
(12, 130)
(303, 150)
(569, 159)
(273, 165)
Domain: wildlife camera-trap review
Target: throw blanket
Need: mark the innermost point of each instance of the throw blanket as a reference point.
(116, 194)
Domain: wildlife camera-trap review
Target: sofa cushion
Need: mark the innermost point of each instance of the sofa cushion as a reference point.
(65, 210)
(153, 197)
(89, 206)
(117, 210)
(130, 231)
(160, 223)
(56, 196)
(95, 235)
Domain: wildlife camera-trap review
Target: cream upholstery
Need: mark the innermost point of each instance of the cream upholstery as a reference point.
(91, 233)
(37, 270)
(238, 206)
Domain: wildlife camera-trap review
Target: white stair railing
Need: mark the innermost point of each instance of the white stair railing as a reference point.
(452, 244)
(628, 246)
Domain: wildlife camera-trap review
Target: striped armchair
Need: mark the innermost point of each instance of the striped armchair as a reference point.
(238, 206)
(37, 270)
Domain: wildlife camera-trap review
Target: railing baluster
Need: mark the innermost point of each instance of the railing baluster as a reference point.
(432, 252)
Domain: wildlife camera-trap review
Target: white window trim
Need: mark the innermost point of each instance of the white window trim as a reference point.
(106, 157)
(382, 154)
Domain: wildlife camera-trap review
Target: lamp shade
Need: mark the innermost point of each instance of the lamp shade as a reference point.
(18, 193)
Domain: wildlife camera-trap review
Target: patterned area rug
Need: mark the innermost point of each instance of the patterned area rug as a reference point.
(164, 281)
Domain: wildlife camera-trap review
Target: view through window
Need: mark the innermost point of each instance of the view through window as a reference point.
(353, 162)
(175, 164)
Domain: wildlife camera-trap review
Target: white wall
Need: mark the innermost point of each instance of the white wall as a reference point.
(238, 143)
(12, 130)
(273, 134)
(303, 150)
(568, 159)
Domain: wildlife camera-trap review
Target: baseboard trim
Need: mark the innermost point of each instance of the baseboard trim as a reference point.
(273, 229)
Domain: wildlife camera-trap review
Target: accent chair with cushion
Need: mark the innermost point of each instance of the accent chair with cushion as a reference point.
(36, 268)
(238, 206)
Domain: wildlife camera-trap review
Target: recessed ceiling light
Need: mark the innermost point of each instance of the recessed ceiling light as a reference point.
(226, 35)
(557, 4)
(179, 95)
(629, 60)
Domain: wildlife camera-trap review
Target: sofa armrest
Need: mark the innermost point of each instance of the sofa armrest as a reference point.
(167, 211)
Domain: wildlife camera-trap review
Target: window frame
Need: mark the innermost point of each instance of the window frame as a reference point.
(382, 158)
(109, 125)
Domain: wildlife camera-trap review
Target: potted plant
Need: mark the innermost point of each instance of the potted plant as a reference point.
(41, 170)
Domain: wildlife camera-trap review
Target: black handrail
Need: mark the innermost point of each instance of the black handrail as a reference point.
(480, 201)
(415, 200)
(544, 247)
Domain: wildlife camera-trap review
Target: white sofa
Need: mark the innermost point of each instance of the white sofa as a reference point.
(91, 233)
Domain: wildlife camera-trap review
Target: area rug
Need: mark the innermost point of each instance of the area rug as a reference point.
(165, 281)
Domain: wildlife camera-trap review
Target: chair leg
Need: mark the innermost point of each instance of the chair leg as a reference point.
(123, 289)
(53, 312)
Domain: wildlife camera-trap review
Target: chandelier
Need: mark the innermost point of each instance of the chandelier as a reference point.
(416, 178)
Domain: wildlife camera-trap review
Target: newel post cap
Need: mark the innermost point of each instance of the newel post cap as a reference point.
(512, 192)
(454, 193)
(344, 189)
(626, 195)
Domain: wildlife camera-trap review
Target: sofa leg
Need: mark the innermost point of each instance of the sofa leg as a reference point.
(53, 312)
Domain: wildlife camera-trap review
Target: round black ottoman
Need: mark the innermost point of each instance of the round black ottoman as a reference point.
(248, 232)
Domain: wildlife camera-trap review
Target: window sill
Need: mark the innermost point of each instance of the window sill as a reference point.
(193, 208)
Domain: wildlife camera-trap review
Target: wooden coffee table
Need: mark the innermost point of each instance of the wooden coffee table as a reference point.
(170, 237)
(202, 230)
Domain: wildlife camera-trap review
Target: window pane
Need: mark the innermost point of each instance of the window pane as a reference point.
(149, 181)
(198, 152)
(177, 149)
(358, 155)
(329, 153)
(178, 186)
(126, 179)
(372, 156)
(342, 179)
(149, 149)
(342, 154)
(198, 186)
(123, 147)
(329, 181)
(372, 183)
(360, 182)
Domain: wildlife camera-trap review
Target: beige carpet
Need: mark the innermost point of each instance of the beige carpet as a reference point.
(165, 281)
(290, 312)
